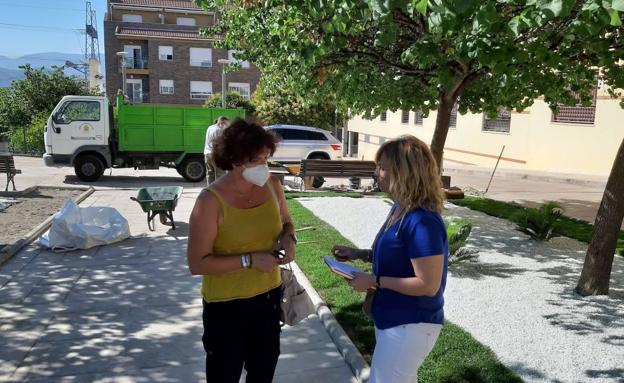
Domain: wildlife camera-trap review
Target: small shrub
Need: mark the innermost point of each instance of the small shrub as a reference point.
(458, 230)
(541, 224)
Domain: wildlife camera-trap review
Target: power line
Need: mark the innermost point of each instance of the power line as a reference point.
(41, 27)
(39, 7)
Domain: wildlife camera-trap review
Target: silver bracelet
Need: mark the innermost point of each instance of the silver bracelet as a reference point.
(246, 261)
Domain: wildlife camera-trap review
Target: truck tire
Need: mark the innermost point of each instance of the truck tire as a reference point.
(318, 181)
(88, 167)
(193, 169)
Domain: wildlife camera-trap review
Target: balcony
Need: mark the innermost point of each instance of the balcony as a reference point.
(137, 97)
(136, 63)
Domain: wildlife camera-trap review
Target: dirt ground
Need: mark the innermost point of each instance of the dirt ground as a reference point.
(31, 210)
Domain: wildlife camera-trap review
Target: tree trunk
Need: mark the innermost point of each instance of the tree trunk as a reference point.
(443, 118)
(596, 272)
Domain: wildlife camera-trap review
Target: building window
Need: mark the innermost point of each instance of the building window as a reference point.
(500, 123)
(127, 18)
(404, 117)
(186, 21)
(241, 88)
(383, 116)
(166, 86)
(134, 57)
(201, 57)
(201, 90)
(382, 140)
(243, 64)
(577, 114)
(453, 119)
(418, 118)
(165, 53)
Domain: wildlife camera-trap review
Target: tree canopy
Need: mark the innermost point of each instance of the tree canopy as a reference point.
(37, 93)
(274, 106)
(415, 54)
(232, 100)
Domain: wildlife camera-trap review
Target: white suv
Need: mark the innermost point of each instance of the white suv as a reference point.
(304, 142)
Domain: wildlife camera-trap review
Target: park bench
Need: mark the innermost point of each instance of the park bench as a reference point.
(336, 169)
(7, 165)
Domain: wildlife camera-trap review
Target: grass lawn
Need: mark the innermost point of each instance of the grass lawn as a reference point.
(457, 356)
(569, 227)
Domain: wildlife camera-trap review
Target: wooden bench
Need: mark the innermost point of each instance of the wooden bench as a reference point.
(7, 165)
(337, 169)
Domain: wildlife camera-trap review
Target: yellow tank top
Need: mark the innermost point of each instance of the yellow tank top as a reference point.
(244, 231)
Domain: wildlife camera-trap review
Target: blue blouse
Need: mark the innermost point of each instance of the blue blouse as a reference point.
(421, 234)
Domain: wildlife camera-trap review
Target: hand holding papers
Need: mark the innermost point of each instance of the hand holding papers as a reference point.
(343, 269)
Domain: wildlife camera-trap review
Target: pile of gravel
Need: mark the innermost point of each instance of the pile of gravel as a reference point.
(518, 298)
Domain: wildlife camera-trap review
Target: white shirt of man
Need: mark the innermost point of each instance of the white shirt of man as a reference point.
(211, 134)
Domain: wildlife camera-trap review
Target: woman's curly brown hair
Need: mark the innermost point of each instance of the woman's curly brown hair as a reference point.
(241, 142)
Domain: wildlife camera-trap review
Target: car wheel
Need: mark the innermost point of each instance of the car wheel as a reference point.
(193, 169)
(88, 167)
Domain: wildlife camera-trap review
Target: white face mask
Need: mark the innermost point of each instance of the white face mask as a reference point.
(257, 175)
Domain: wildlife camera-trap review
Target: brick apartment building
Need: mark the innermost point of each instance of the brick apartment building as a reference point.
(166, 60)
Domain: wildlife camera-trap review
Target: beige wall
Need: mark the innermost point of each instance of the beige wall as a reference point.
(533, 143)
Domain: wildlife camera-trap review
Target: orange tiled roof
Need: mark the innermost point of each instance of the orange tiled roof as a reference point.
(161, 33)
(184, 4)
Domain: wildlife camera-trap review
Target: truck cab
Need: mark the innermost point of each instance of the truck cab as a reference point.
(87, 133)
(77, 134)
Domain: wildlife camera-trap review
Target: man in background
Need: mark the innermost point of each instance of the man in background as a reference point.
(212, 171)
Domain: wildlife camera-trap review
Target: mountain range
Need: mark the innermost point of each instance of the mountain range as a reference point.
(10, 71)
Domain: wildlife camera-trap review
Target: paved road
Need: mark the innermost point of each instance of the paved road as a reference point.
(579, 195)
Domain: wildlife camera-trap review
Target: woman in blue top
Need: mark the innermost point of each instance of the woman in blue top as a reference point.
(410, 258)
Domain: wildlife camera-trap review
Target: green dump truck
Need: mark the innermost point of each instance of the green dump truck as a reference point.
(86, 132)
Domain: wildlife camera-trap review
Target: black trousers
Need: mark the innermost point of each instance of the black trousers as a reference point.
(242, 333)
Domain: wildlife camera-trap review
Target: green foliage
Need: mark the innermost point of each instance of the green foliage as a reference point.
(232, 100)
(29, 139)
(287, 106)
(569, 227)
(456, 357)
(412, 54)
(540, 224)
(38, 92)
(458, 231)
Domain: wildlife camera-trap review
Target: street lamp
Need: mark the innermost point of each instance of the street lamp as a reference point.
(224, 62)
(122, 55)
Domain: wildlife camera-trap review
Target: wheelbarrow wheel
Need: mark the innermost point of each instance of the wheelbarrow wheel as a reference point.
(162, 217)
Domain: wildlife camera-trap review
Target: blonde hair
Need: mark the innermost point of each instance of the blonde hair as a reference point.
(414, 180)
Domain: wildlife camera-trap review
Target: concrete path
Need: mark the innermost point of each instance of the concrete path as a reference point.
(127, 312)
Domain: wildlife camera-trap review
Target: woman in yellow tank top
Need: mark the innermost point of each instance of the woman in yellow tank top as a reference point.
(234, 229)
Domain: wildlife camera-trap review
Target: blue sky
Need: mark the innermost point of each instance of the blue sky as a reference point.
(33, 26)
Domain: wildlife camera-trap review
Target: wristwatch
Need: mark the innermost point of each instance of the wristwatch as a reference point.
(246, 261)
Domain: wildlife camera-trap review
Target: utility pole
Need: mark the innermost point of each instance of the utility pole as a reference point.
(223, 62)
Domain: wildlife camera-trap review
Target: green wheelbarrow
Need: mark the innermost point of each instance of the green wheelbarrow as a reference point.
(161, 201)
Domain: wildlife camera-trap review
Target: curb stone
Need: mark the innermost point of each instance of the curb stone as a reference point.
(345, 346)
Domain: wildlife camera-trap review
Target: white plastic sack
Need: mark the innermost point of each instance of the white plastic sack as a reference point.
(75, 227)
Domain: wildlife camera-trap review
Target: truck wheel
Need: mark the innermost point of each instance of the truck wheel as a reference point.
(193, 169)
(318, 181)
(88, 168)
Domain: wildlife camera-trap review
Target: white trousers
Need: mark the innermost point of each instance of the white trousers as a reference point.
(399, 352)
